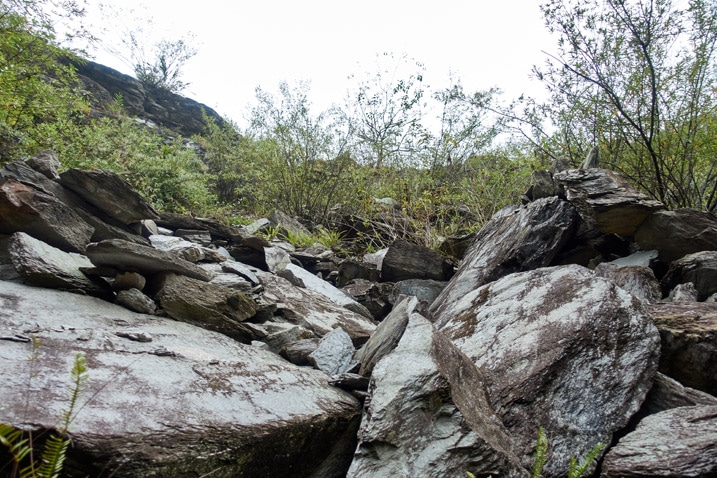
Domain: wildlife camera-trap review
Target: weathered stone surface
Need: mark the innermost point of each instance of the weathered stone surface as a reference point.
(372, 295)
(667, 393)
(456, 247)
(189, 251)
(515, 239)
(405, 260)
(313, 311)
(45, 162)
(127, 280)
(350, 270)
(556, 345)
(135, 300)
(132, 257)
(189, 403)
(26, 209)
(298, 352)
(217, 230)
(425, 290)
(242, 270)
(387, 335)
(45, 266)
(640, 281)
(287, 224)
(639, 258)
(676, 442)
(689, 343)
(683, 293)
(334, 353)
(110, 193)
(428, 415)
(699, 268)
(204, 304)
(606, 200)
(541, 185)
(678, 233)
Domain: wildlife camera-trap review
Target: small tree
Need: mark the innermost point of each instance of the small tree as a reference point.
(165, 67)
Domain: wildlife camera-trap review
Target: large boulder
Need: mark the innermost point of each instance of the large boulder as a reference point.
(165, 398)
(559, 348)
(427, 414)
(699, 268)
(677, 442)
(514, 240)
(689, 342)
(606, 200)
(678, 233)
(405, 260)
(640, 281)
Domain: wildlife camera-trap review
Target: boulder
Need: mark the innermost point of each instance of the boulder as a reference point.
(678, 233)
(689, 342)
(217, 229)
(26, 209)
(640, 281)
(683, 293)
(45, 266)
(189, 403)
(45, 162)
(109, 193)
(405, 260)
(667, 393)
(427, 415)
(374, 296)
(204, 304)
(334, 353)
(132, 257)
(286, 224)
(135, 300)
(606, 200)
(515, 239)
(559, 348)
(298, 352)
(676, 442)
(425, 290)
(312, 310)
(699, 268)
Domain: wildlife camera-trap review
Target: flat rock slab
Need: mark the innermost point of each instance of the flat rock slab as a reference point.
(110, 193)
(556, 346)
(678, 233)
(606, 200)
(165, 398)
(689, 342)
(405, 260)
(676, 442)
(132, 257)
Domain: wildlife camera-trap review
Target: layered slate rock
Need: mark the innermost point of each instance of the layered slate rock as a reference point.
(667, 393)
(559, 348)
(699, 268)
(640, 281)
(405, 260)
(131, 257)
(164, 398)
(26, 209)
(313, 311)
(606, 200)
(111, 194)
(676, 442)
(689, 343)
(427, 415)
(204, 304)
(514, 240)
(678, 233)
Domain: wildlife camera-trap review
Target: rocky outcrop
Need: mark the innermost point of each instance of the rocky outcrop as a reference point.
(699, 269)
(405, 260)
(154, 104)
(555, 345)
(665, 444)
(165, 398)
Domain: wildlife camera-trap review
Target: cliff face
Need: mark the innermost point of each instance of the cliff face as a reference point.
(159, 106)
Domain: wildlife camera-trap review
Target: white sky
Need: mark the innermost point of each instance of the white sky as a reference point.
(244, 44)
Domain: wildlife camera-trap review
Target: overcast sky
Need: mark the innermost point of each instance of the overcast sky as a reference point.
(245, 44)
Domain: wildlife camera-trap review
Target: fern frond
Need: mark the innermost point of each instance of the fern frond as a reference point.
(51, 461)
(541, 454)
(79, 380)
(12, 438)
(576, 471)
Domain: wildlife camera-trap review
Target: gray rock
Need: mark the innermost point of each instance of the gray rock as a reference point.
(592, 160)
(26, 209)
(678, 233)
(334, 353)
(667, 393)
(683, 293)
(313, 311)
(376, 258)
(606, 200)
(541, 185)
(387, 335)
(45, 266)
(425, 290)
(276, 259)
(45, 162)
(640, 281)
(256, 226)
(555, 345)
(287, 224)
(350, 270)
(135, 300)
(196, 236)
(190, 403)
(204, 304)
(298, 352)
(676, 442)
(132, 257)
(405, 260)
(374, 296)
(427, 415)
(110, 193)
(242, 270)
(128, 280)
(688, 331)
(699, 268)
(515, 239)
(639, 258)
